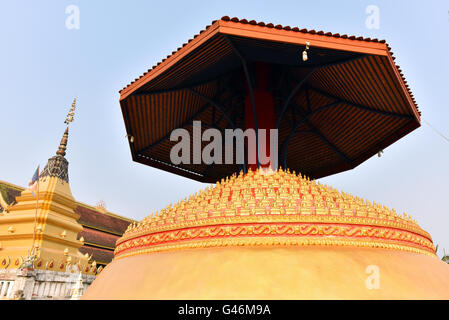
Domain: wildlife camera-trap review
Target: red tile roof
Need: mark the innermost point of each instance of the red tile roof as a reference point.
(286, 28)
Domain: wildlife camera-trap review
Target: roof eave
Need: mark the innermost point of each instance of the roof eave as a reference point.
(257, 32)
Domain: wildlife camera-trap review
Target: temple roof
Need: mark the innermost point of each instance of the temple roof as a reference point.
(347, 102)
(94, 219)
(98, 238)
(269, 25)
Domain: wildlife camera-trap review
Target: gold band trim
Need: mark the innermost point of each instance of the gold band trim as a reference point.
(225, 234)
(276, 242)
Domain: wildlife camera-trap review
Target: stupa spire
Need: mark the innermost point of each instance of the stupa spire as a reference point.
(57, 166)
(71, 114)
(69, 118)
(63, 143)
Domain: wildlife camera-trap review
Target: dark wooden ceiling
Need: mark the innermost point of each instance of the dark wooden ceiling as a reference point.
(335, 110)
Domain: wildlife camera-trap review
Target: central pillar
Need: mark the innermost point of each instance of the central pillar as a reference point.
(265, 114)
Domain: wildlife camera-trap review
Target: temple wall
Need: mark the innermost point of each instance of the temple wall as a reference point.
(39, 284)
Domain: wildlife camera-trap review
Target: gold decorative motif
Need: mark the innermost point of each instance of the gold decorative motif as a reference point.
(275, 241)
(226, 233)
(287, 208)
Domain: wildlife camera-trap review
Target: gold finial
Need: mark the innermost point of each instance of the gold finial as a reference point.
(70, 117)
(101, 206)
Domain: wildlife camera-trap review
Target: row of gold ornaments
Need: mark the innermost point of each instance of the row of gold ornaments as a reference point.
(278, 196)
(61, 265)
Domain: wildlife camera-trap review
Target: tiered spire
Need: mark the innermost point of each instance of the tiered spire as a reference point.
(57, 166)
(65, 137)
(71, 114)
(63, 143)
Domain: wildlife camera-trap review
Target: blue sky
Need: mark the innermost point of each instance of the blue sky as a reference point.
(43, 65)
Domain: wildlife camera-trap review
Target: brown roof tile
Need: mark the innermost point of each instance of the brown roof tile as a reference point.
(98, 237)
(95, 219)
(99, 255)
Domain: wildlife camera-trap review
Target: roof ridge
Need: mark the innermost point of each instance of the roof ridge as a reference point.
(107, 212)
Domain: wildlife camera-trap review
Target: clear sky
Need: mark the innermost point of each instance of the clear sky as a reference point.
(43, 65)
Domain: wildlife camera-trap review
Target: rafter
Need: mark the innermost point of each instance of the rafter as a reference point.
(285, 143)
(323, 138)
(213, 103)
(292, 94)
(362, 107)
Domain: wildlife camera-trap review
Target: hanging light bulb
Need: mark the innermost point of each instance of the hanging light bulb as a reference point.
(130, 137)
(304, 53)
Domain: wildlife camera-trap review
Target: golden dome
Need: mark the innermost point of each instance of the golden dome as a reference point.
(278, 228)
(273, 208)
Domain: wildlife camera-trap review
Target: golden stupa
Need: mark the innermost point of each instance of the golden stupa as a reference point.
(335, 100)
(40, 229)
(274, 235)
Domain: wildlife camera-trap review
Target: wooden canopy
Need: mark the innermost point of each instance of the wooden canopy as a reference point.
(344, 104)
